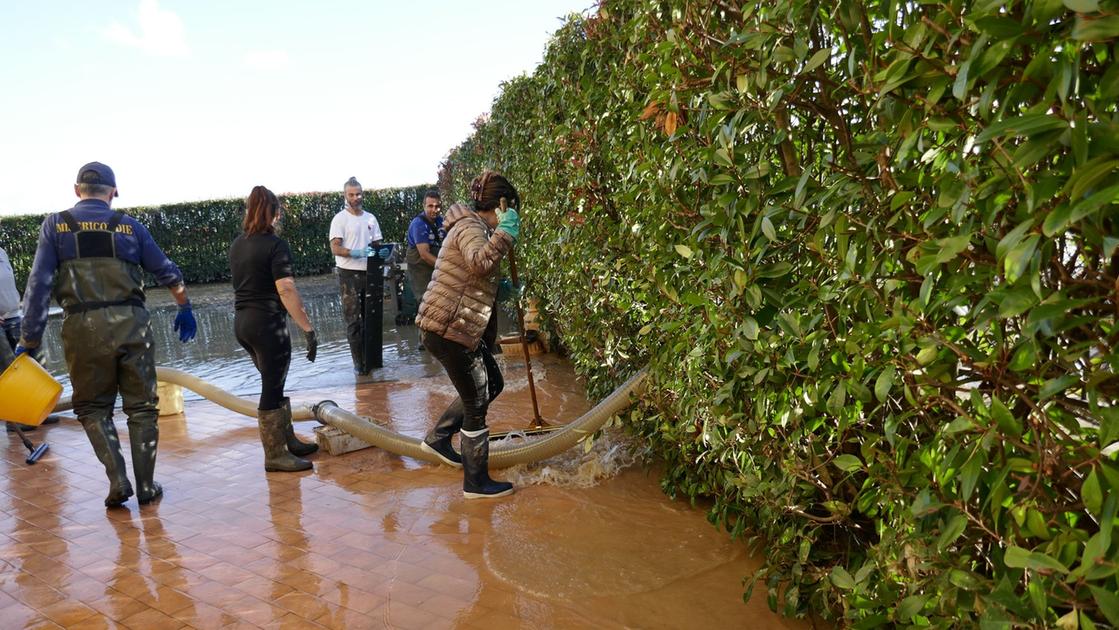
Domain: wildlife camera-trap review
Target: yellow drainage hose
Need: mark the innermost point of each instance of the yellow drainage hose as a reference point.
(210, 392)
(501, 455)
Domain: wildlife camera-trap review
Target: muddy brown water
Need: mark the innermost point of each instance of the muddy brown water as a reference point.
(367, 539)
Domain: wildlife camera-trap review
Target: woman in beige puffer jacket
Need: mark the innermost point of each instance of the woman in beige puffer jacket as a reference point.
(453, 316)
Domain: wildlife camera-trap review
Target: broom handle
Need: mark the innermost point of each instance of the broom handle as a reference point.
(537, 420)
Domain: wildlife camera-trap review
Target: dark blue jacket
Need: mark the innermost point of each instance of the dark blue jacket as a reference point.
(133, 243)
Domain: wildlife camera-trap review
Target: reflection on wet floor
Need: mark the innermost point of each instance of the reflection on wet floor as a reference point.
(366, 540)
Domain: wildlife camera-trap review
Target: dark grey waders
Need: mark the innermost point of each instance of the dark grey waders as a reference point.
(106, 334)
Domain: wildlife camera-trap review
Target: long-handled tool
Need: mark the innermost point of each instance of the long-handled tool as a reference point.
(537, 421)
(35, 452)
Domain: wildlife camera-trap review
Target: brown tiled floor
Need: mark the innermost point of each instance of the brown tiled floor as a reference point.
(366, 540)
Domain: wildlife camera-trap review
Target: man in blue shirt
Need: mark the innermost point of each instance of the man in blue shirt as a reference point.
(94, 258)
(425, 237)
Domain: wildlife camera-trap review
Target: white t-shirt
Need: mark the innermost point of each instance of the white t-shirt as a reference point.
(356, 232)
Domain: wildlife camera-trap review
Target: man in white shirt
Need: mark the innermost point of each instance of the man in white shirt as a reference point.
(354, 236)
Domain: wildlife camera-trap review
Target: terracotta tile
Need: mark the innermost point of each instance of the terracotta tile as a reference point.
(404, 592)
(292, 622)
(132, 584)
(255, 611)
(449, 607)
(151, 618)
(354, 599)
(199, 615)
(225, 573)
(97, 622)
(401, 615)
(264, 588)
(40, 596)
(117, 606)
(66, 613)
(41, 623)
(19, 615)
(449, 585)
(366, 540)
(302, 604)
(337, 618)
(166, 600)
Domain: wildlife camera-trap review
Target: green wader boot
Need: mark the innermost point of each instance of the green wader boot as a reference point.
(476, 482)
(102, 434)
(144, 437)
(276, 455)
(295, 446)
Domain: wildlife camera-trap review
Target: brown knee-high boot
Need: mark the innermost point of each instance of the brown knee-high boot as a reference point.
(296, 447)
(276, 455)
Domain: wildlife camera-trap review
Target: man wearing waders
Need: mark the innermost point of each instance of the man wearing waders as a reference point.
(425, 237)
(94, 258)
(354, 234)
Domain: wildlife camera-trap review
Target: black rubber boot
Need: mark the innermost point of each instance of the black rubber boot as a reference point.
(438, 440)
(102, 434)
(476, 482)
(296, 446)
(143, 433)
(276, 455)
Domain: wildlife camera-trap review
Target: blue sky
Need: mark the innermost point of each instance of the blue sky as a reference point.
(200, 99)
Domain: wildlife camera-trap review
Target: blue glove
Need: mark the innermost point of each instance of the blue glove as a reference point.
(20, 349)
(384, 253)
(509, 222)
(185, 324)
(506, 289)
(361, 252)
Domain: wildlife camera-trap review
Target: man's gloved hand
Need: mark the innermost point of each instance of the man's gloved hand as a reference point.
(384, 253)
(506, 289)
(21, 349)
(312, 344)
(361, 252)
(509, 222)
(185, 324)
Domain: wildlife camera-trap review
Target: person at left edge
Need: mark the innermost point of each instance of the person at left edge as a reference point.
(93, 258)
(10, 316)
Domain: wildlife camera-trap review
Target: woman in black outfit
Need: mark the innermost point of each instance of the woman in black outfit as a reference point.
(265, 294)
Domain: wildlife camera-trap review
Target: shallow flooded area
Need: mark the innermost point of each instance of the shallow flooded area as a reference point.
(367, 539)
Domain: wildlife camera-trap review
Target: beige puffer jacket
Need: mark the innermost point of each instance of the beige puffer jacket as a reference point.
(463, 288)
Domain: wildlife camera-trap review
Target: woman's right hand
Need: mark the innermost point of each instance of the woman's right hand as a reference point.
(509, 222)
(312, 344)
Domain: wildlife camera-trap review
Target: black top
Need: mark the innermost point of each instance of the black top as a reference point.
(257, 262)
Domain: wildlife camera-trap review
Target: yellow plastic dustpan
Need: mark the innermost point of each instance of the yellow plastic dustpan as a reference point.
(28, 393)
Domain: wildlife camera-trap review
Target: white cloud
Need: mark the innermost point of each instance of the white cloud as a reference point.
(161, 32)
(266, 60)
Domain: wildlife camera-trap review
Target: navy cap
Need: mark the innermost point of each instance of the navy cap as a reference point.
(98, 174)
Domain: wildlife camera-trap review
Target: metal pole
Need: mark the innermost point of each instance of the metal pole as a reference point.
(372, 335)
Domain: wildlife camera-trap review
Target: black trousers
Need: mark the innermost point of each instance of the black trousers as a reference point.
(474, 373)
(265, 337)
(351, 285)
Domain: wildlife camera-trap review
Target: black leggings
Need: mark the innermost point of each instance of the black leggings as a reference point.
(265, 337)
(474, 373)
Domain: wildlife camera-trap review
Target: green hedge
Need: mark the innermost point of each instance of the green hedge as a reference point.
(197, 235)
(868, 250)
